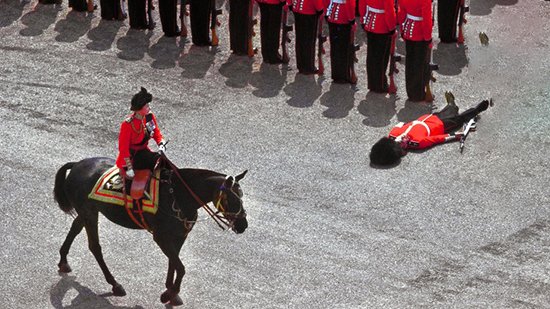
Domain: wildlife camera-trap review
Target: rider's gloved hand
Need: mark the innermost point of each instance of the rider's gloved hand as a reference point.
(162, 147)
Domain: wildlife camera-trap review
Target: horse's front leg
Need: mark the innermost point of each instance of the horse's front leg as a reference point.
(171, 248)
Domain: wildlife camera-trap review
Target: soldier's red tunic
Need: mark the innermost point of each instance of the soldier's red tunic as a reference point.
(307, 7)
(415, 18)
(424, 132)
(341, 11)
(378, 16)
(135, 135)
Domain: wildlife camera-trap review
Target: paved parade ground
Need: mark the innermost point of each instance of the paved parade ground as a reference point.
(326, 229)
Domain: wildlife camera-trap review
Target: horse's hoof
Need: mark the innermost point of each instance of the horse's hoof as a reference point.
(65, 268)
(118, 290)
(165, 297)
(176, 301)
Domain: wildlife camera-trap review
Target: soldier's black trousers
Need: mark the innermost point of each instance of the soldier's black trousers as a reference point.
(447, 16)
(417, 69)
(340, 52)
(306, 36)
(270, 31)
(378, 56)
(240, 16)
(199, 11)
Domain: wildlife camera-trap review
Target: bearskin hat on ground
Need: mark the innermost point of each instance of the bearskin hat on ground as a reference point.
(386, 152)
(140, 99)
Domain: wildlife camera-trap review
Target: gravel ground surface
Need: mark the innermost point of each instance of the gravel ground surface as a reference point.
(326, 230)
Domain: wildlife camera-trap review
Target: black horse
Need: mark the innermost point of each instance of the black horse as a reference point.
(182, 193)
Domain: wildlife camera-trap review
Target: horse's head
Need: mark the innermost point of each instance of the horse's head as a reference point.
(230, 204)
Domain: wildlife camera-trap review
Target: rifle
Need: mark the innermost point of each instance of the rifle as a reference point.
(285, 39)
(91, 5)
(183, 13)
(150, 9)
(251, 23)
(394, 57)
(433, 66)
(322, 39)
(470, 126)
(353, 58)
(122, 11)
(462, 20)
(214, 22)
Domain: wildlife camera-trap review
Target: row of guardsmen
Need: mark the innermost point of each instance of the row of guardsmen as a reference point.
(382, 20)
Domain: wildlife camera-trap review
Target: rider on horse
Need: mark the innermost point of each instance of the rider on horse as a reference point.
(135, 159)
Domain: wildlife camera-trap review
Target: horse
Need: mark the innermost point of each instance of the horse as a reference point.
(182, 193)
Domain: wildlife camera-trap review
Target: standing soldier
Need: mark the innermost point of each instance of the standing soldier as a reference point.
(447, 16)
(111, 10)
(379, 20)
(168, 17)
(341, 20)
(306, 17)
(415, 18)
(199, 15)
(241, 26)
(137, 13)
(270, 29)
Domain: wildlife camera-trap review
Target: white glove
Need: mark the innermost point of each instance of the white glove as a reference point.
(162, 147)
(130, 173)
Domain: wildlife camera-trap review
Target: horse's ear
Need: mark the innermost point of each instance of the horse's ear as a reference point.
(241, 176)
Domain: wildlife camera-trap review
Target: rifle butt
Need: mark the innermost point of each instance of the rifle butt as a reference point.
(214, 37)
(90, 5)
(460, 35)
(393, 87)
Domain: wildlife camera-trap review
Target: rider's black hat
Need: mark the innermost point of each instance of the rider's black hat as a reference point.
(140, 99)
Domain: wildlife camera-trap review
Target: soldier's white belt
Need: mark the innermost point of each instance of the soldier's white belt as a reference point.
(339, 1)
(415, 18)
(371, 9)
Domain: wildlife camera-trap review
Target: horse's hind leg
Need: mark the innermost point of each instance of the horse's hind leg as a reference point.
(95, 248)
(76, 228)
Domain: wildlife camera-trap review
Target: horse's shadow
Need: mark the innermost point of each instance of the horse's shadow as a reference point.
(85, 298)
(39, 19)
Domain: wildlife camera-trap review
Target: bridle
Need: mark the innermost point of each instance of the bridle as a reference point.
(221, 215)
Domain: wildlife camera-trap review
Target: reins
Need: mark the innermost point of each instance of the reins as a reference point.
(220, 220)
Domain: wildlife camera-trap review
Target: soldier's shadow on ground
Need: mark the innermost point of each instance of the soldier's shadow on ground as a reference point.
(269, 80)
(74, 26)
(166, 52)
(339, 99)
(134, 45)
(237, 70)
(378, 109)
(451, 58)
(197, 61)
(304, 90)
(39, 19)
(103, 36)
(413, 110)
(486, 7)
(11, 10)
(69, 294)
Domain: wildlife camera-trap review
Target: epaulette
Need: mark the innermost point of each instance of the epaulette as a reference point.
(129, 119)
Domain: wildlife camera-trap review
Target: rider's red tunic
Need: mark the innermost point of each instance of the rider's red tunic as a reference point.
(135, 134)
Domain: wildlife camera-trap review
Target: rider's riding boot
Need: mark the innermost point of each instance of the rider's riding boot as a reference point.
(139, 182)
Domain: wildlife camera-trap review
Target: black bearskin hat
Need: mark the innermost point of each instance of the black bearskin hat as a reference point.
(386, 152)
(140, 99)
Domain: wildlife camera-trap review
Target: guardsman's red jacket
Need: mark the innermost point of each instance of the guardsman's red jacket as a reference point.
(378, 16)
(135, 135)
(306, 7)
(422, 133)
(340, 11)
(415, 18)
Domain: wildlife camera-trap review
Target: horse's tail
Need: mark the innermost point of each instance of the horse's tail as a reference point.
(59, 193)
